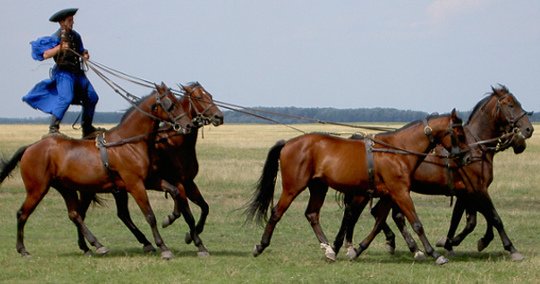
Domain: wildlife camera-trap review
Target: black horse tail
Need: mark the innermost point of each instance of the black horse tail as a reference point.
(6, 167)
(257, 208)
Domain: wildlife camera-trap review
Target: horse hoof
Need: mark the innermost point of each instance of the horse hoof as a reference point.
(441, 260)
(351, 253)
(451, 253)
(257, 250)
(329, 252)
(166, 223)
(441, 242)
(419, 255)
(188, 238)
(149, 248)
(166, 255)
(88, 253)
(390, 249)
(481, 245)
(203, 254)
(102, 251)
(516, 256)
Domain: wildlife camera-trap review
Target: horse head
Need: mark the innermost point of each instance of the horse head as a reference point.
(204, 111)
(452, 134)
(168, 109)
(512, 119)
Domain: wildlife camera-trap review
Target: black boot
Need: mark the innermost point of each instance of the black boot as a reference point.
(54, 127)
(90, 132)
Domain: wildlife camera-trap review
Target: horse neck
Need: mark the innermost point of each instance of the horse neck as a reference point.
(136, 123)
(482, 124)
(411, 138)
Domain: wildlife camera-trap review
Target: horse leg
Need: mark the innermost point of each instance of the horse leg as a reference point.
(389, 234)
(84, 203)
(317, 194)
(34, 195)
(487, 238)
(138, 192)
(173, 191)
(283, 204)
(399, 219)
(469, 228)
(196, 197)
(381, 212)
(188, 217)
(403, 199)
(72, 203)
(448, 242)
(489, 211)
(122, 211)
(354, 205)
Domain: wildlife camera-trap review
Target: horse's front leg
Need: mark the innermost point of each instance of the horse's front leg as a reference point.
(317, 194)
(183, 204)
(399, 219)
(193, 193)
(173, 191)
(489, 211)
(138, 191)
(402, 198)
(122, 211)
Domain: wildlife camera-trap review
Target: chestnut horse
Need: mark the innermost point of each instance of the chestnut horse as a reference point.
(175, 167)
(67, 164)
(320, 161)
(496, 123)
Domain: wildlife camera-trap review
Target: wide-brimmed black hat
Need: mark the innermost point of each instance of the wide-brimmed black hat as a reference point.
(62, 14)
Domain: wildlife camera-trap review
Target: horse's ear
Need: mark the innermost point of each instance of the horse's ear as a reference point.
(157, 87)
(454, 114)
(493, 90)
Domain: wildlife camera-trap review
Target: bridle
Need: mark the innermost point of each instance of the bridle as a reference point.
(201, 118)
(167, 105)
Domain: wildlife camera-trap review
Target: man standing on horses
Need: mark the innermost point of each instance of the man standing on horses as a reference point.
(68, 83)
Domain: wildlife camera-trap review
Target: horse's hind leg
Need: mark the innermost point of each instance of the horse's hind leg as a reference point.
(72, 203)
(317, 194)
(383, 208)
(354, 205)
(84, 203)
(122, 211)
(34, 195)
(285, 200)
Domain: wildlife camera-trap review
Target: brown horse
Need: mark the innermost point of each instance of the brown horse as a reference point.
(175, 167)
(320, 161)
(496, 123)
(67, 164)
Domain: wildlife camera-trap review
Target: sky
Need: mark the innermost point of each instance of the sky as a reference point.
(414, 55)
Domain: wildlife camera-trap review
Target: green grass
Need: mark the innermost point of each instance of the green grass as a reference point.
(231, 158)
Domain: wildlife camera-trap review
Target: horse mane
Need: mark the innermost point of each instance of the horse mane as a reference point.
(501, 89)
(137, 103)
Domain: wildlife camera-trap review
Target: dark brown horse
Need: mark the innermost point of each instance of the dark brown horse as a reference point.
(320, 161)
(175, 167)
(496, 123)
(67, 164)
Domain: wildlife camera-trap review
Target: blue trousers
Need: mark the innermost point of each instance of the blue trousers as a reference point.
(64, 88)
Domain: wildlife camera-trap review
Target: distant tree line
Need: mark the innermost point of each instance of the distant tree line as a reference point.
(288, 115)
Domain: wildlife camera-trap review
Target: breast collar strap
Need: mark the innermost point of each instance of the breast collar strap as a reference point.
(101, 144)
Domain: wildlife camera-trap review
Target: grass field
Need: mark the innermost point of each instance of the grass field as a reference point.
(231, 158)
